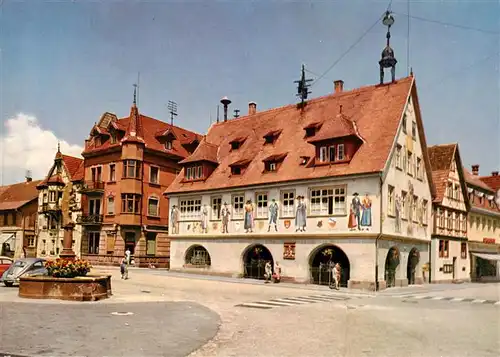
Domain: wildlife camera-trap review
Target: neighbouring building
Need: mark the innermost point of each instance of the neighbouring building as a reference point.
(449, 252)
(484, 228)
(343, 178)
(128, 164)
(59, 202)
(18, 215)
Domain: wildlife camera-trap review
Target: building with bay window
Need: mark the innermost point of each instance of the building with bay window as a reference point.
(59, 202)
(128, 163)
(343, 178)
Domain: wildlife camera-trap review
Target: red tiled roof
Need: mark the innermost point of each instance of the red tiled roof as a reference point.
(204, 152)
(492, 181)
(74, 165)
(18, 194)
(338, 127)
(441, 157)
(275, 157)
(150, 128)
(376, 110)
(476, 181)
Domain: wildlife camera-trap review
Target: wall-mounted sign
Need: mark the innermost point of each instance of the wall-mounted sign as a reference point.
(289, 250)
(489, 240)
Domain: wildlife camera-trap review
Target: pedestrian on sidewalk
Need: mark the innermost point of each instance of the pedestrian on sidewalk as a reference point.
(124, 268)
(268, 272)
(337, 272)
(277, 272)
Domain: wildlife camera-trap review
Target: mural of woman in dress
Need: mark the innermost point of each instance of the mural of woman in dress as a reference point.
(366, 216)
(249, 217)
(300, 215)
(174, 219)
(204, 219)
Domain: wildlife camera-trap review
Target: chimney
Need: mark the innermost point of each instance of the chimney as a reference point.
(475, 170)
(252, 108)
(29, 176)
(494, 173)
(225, 102)
(339, 86)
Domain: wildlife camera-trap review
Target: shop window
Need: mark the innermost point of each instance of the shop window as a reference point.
(463, 250)
(444, 248)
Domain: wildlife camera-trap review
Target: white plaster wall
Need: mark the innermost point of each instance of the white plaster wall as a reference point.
(437, 262)
(227, 255)
(336, 223)
(400, 179)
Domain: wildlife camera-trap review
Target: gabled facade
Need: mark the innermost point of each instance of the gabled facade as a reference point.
(59, 203)
(449, 251)
(18, 215)
(484, 228)
(306, 185)
(129, 162)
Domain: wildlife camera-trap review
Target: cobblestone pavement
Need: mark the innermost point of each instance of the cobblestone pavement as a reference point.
(310, 320)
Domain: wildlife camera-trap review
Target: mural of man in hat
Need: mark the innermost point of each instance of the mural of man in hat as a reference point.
(300, 215)
(356, 209)
(273, 215)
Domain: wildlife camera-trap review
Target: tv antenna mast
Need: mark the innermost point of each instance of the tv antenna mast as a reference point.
(303, 86)
(172, 109)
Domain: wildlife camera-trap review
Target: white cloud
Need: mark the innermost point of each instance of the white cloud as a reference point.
(25, 145)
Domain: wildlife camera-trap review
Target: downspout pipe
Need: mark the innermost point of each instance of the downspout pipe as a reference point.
(381, 185)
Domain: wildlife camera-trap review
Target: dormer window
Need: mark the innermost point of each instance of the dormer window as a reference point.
(271, 137)
(304, 160)
(238, 167)
(312, 129)
(273, 162)
(237, 143)
(194, 172)
(168, 144)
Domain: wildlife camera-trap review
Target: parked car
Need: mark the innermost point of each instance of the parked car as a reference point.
(23, 267)
(5, 263)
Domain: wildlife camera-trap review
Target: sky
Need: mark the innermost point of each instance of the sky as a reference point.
(63, 64)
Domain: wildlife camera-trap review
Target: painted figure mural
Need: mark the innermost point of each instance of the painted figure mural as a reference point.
(204, 219)
(301, 215)
(398, 214)
(356, 210)
(174, 219)
(273, 215)
(249, 217)
(224, 214)
(366, 216)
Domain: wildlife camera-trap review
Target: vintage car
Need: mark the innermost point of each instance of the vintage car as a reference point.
(23, 267)
(5, 263)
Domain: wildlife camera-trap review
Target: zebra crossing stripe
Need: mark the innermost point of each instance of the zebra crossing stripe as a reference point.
(478, 301)
(456, 299)
(255, 305)
(318, 298)
(420, 297)
(497, 303)
(304, 299)
(290, 300)
(333, 297)
(438, 298)
(275, 303)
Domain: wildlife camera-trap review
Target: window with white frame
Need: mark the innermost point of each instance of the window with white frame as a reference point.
(340, 152)
(216, 207)
(328, 201)
(110, 207)
(93, 238)
(414, 209)
(153, 205)
(398, 156)
(425, 208)
(404, 123)
(414, 130)
(190, 208)
(288, 203)
(405, 158)
(238, 203)
(261, 201)
(391, 203)
(410, 163)
(323, 154)
(194, 172)
(52, 196)
(419, 168)
(112, 172)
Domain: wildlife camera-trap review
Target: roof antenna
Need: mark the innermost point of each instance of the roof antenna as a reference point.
(303, 86)
(172, 107)
(217, 113)
(236, 113)
(135, 93)
(58, 146)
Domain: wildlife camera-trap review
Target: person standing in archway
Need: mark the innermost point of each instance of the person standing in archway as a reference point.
(338, 271)
(268, 272)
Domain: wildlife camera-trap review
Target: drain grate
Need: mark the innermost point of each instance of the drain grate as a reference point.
(118, 313)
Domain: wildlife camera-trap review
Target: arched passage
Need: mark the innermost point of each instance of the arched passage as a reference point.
(254, 261)
(391, 265)
(321, 263)
(413, 259)
(197, 256)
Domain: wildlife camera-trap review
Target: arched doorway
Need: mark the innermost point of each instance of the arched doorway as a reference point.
(321, 264)
(391, 265)
(254, 261)
(413, 259)
(197, 257)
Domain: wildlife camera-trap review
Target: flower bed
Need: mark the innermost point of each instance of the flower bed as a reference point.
(62, 268)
